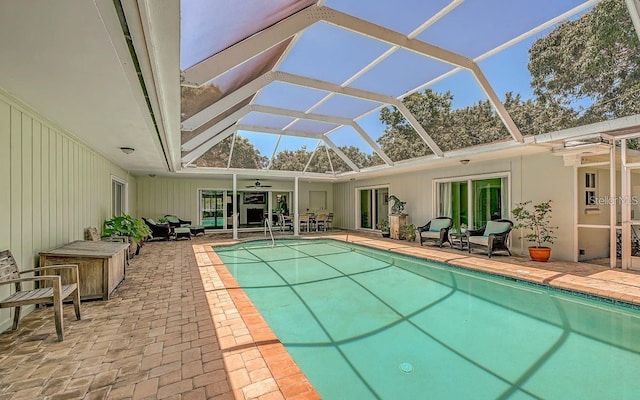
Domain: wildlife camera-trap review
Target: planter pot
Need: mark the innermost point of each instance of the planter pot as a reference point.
(540, 254)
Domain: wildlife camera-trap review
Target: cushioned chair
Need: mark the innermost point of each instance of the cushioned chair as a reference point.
(437, 230)
(158, 231)
(493, 236)
(176, 222)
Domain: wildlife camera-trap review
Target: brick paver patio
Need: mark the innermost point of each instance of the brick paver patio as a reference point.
(179, 328)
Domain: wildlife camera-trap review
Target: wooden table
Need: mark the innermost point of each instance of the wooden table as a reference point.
(101, 265)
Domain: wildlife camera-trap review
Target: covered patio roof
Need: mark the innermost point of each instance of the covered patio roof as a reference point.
(281, 88)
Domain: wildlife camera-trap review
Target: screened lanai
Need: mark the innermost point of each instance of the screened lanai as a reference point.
(333, 88)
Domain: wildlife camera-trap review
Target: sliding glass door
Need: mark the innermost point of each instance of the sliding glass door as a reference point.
(473, 202)
(373, 207)
(212, 214)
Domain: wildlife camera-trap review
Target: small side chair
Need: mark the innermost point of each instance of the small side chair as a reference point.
(50, 291)
(494, 236)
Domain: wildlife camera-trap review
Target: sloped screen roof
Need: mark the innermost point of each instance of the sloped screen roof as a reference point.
(340, 86)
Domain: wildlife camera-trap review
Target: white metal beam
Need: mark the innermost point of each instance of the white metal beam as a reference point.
(225, 103)
(216, 128)
(199, 152)
(372, 143)
(264, 129)
(634, 12)
(497, 104)
(250, 47)
(418, 128)
(301, 115)
(383, 34)
(340, 154)
(362, 94)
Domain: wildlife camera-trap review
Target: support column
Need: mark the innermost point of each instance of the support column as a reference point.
(296, 210)
(612, 205)
(235, 207)
(625, 206)
(576, 214)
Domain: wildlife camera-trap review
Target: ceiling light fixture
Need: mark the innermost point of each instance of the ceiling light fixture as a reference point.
(127, 150)
(464, 162)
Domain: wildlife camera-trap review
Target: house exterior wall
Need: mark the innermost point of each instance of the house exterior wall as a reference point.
(53, 187)
(159, 196)
(537, 178)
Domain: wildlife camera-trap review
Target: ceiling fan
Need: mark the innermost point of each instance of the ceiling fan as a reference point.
(258, 185)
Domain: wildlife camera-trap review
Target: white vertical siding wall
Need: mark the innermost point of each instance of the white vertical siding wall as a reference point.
(51, 186)
(159, 196)
(536, 178)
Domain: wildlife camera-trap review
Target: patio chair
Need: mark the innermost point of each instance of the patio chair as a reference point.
(493, 236)
(51, 289)
(321, 222)
(158, 231)
(305, 220)
(175, 222)
(329, 221)
(437, 230)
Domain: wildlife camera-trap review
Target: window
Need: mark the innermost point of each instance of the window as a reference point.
(212, 215)
(473, 202)
(118, 196)
(373, 207)
(590, 189)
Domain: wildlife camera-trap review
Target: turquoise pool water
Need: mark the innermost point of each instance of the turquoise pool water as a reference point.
(367, 324)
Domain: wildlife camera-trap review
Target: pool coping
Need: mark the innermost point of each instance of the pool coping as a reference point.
(260, 367)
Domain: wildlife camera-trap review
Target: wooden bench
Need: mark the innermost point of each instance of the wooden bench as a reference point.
(50, 291)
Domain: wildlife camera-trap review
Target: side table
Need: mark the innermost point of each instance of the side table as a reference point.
(460, 239)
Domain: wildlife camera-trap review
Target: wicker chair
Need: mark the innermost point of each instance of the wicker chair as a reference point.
(158, 231)
(494, 236)
(176, 222)
(437, 230)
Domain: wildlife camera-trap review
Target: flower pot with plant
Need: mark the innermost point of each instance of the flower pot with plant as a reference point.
(125, 225)
(383, 226)
(536, 219)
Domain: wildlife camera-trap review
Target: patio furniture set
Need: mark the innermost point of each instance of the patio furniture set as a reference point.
(307, 221)
(174, 228)
(492, 237)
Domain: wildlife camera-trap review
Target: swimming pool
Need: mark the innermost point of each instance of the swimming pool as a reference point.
(363, 324)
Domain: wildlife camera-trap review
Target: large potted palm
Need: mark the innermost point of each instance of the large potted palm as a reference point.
(125, 225)
(537, 220)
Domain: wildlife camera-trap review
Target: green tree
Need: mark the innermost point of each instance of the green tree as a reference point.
(245, 155)
(595, 58)
(288, 160)
(194, 100)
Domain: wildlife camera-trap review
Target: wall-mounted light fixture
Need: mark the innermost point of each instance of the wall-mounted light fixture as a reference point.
(464, 162)
(127, 150)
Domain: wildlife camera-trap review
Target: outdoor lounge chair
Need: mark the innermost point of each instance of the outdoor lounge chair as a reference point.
(493, 236)
(176, 222)
(158, 231)
(51, 288)
(437, 230)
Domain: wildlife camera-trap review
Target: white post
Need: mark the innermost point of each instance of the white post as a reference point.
(235, 207)
(612, 205)
(576, 215)
(296, 219)
(625, 206)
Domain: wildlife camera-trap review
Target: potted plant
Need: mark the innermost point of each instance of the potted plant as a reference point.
(536, 219)
(408, 232)
(383, 226)
(125, 225)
